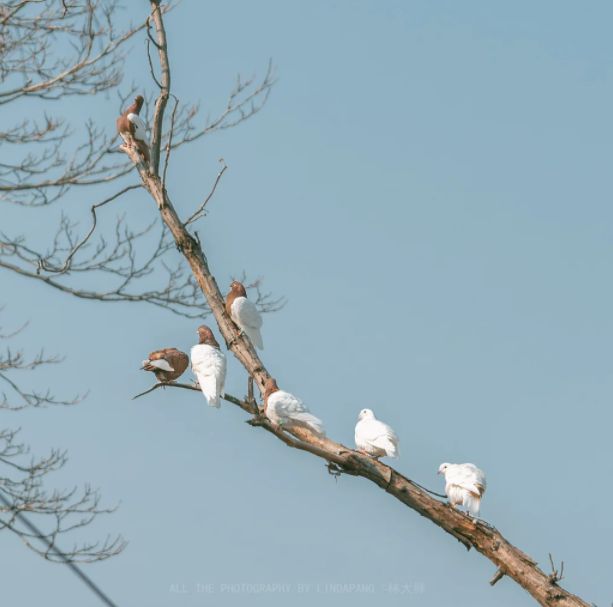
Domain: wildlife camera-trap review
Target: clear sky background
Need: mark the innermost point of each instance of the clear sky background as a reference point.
(429, 185)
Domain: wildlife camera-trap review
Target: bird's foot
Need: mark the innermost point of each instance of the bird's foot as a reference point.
(479, 521)
(259, 417)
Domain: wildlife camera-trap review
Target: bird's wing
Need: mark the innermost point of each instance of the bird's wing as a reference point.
(371, 430)
(246, 313)
(209, 366)
(179, 360)
(288, 408)
(221, 373)
(377, 434)
(139, 130)
(469, 477)
(246, 316)
(159, 363)
(480, 481)
(204, 359)
(286, 404)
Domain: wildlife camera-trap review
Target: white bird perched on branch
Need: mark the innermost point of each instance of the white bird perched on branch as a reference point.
(374, 437)
(244, 313)
(209, 366)
(285, 410)
(464, 485)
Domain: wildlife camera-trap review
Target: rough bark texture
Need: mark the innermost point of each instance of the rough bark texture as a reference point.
(509, 560)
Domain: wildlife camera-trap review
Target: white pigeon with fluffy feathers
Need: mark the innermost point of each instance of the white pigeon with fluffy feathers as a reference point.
(375, 437)
(245, 314)
(465, 485)
(209, 366)
(285, 409)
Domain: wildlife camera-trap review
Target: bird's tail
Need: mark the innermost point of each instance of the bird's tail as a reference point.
(256, 337)
(390, 448)
(208, 385)
(472, 503)
(312, 422)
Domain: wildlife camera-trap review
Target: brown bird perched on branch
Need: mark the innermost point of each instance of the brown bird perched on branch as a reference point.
(168, 364)
(133, 129)
(244, 313)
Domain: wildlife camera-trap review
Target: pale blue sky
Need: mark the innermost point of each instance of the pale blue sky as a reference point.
(429, 186)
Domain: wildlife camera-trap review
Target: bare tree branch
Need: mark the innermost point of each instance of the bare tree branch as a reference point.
(22, 478)
(51, 157)
(509, 560)
(200, 211)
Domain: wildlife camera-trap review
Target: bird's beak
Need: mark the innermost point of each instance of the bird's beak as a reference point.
(439, 472)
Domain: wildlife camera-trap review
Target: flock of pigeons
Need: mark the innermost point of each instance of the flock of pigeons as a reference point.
(464, 483)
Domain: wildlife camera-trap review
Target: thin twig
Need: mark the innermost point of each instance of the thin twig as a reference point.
(67, 263)
(151, 68)
(164, 384)
(497, 577)
(169, 142)
(201, 209)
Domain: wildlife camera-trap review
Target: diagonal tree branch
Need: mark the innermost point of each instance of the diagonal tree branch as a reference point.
(487, 540)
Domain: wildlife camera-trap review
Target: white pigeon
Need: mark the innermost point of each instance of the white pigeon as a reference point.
(209, 366)
(464, 485)
(284, 409)
(374, 437)
(140, 128)
(244, 313)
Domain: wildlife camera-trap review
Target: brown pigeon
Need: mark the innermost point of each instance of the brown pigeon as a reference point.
(131, 126)
(244, 313)
(168, 364)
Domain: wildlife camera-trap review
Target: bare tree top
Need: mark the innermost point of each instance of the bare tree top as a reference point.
(52, 51)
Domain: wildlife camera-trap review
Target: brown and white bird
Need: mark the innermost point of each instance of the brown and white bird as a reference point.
(131, 126)
(209, 366)
(244, 313)
(167, 364)
(285, 410)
